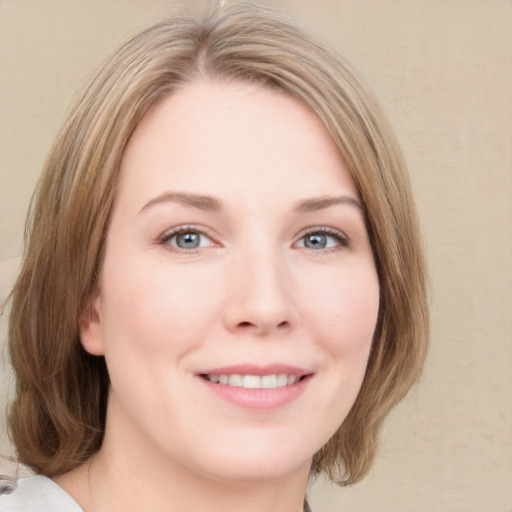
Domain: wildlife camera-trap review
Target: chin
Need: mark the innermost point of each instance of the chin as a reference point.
(258, 464)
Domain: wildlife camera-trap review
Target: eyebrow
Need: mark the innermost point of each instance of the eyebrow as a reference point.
(209, 203)
(201, 202)
(310, 205)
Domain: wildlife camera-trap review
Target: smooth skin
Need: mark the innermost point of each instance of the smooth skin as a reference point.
(237, 238)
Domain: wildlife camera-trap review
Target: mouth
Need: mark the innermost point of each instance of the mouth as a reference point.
(255, 387)
(248, 381)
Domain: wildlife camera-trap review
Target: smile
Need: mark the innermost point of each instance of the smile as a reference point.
(273, 381)
(257, 388)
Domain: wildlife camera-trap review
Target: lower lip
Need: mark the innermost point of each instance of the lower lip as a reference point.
(258, 399)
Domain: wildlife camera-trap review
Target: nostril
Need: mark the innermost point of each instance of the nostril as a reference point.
(248, 325)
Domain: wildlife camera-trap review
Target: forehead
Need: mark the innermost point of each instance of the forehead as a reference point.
(232, 137)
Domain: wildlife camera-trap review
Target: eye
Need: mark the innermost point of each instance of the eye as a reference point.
(186, 239)
(322, 238)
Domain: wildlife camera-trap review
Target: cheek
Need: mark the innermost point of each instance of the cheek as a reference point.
(344, 308)
(147, 306)
(149, 328)
(341, 312)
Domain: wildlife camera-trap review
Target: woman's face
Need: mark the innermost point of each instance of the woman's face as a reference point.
(238, 294)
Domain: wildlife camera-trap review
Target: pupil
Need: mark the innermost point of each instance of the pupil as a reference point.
(316, 241)
(188, 240)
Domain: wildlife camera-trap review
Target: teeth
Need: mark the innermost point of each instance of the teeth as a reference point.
(282, 380)
(251, 381)
(269, 381)
(235, 380)
(254, 381)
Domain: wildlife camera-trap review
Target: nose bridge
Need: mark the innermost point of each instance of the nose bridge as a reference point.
(259, 292)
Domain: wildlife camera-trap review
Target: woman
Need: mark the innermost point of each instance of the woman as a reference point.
(224, 289)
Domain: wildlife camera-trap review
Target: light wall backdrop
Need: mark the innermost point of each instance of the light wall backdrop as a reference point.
(443, 70)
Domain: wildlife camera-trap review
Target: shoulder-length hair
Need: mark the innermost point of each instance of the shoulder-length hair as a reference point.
(57, 418)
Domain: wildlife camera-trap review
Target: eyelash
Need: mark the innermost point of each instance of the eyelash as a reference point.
(169, 235)
(340, 238)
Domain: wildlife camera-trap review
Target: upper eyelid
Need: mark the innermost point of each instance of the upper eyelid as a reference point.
(164, 239)
(326, 230)
(184, 229)
(167, 235)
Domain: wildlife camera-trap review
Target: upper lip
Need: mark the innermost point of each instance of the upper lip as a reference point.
(252, 369)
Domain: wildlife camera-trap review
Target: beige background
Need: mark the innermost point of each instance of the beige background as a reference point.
(443, 69)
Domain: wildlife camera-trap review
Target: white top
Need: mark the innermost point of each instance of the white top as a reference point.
(37, 494)
(40, 494)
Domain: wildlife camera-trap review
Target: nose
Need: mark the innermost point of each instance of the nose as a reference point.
(259, 298)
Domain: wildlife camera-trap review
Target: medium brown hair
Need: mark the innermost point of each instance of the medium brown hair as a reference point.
(57, 419)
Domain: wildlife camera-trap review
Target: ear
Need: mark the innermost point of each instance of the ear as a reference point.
(91, 332)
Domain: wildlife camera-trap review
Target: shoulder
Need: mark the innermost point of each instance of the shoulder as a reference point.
(34, 494)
